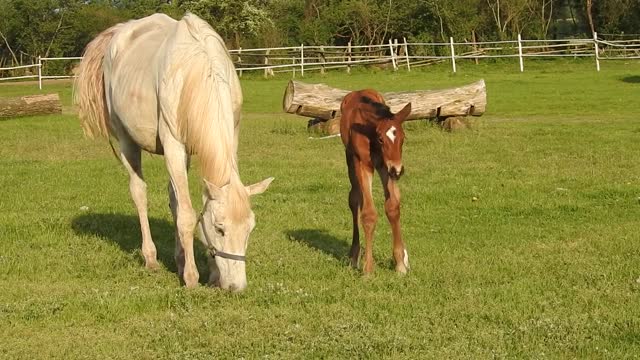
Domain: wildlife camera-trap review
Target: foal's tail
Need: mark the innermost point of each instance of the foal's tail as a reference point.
(89, 93)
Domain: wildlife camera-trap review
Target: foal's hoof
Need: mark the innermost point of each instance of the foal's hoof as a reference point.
(401, 270)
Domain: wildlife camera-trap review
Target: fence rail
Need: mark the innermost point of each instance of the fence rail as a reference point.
(393, 55)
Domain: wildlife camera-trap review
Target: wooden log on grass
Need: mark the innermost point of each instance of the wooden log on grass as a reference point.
(322, 102)
(30, 105)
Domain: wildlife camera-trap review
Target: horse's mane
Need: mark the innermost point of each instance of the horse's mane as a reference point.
(205, 110)
(205, 114)
(381, 111)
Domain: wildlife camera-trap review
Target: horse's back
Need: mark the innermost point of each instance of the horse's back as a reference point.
(131, 68)
(350, 110)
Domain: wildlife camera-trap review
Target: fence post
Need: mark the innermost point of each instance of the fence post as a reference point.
(595, 46)
(520, 53)
(266, 63)
(240, 60)
(406, 53)
(453, 54)
(475, 46)
(40, 72)
(349, 57)
(393, 58)
(302, 60)
(322, 60)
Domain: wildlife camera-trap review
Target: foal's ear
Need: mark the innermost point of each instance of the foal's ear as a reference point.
(404, 113)
(259, 188)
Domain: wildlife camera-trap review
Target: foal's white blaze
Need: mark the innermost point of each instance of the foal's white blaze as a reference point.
(391, 133)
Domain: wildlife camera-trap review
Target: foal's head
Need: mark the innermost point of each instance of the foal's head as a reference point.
(390, 136)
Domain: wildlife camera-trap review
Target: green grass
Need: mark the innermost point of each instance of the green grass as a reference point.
(544, 264)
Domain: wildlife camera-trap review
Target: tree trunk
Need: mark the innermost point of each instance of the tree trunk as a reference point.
(30, 105)
(590, 16)
(323, 102)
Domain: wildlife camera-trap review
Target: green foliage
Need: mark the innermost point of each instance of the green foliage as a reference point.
(233, 19)
(32, 28)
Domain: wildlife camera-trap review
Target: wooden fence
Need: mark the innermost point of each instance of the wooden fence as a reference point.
(393, 55)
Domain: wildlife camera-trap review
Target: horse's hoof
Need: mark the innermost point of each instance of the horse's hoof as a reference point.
(191, 284)
(191, 280)
(153, 266)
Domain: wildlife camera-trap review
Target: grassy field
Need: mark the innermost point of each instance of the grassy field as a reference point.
(545, 264)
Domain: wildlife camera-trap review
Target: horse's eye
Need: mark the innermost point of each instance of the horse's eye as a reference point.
(380, 140)
(219, 228)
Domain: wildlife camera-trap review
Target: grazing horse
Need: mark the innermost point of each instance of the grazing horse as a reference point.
(169, 87)
(373, 139)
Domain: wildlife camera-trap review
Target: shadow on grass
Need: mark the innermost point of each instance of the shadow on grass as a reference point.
(635, 79)
(321, 240)
(124, 230)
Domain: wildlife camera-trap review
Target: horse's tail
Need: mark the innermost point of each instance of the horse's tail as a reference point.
(89, 93)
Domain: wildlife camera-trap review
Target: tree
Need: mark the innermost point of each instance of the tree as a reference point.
(232, 19)
(7, 30)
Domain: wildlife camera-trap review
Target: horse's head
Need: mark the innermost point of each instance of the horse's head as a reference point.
(390, 138)
(225, 225)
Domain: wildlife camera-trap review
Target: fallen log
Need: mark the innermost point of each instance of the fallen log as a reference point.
(30, 105)
(323, 102)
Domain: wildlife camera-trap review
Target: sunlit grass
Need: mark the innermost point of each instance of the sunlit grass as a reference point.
(543, 264)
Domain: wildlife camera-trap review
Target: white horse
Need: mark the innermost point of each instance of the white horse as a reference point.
(169, 87)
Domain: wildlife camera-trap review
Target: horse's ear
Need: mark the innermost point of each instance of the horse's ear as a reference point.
(259, 188)
(214, 191)
(404, 113)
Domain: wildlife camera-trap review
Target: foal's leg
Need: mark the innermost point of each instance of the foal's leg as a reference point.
(176, 159)
(368, 215)
(355, 203)
(131, 159)
(392, 210)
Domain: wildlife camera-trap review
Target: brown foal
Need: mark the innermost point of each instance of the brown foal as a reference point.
(373, 139)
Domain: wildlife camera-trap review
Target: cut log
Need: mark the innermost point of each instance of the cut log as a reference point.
(30, 105)
(322, 101)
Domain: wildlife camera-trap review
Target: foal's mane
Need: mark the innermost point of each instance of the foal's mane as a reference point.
(380, 110)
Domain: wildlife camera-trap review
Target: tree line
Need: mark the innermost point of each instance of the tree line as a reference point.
(56, 28)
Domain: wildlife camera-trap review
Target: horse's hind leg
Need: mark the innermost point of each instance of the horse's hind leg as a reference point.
(355, 203)
(131, 159)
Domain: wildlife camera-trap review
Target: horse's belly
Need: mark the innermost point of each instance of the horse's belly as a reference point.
(147, 138)
(140, 123)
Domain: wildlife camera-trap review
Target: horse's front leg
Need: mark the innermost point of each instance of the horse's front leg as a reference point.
(185, 218)
(392, 210)
(368, 215)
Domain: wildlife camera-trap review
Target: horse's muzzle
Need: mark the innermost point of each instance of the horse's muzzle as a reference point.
(395, 173)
